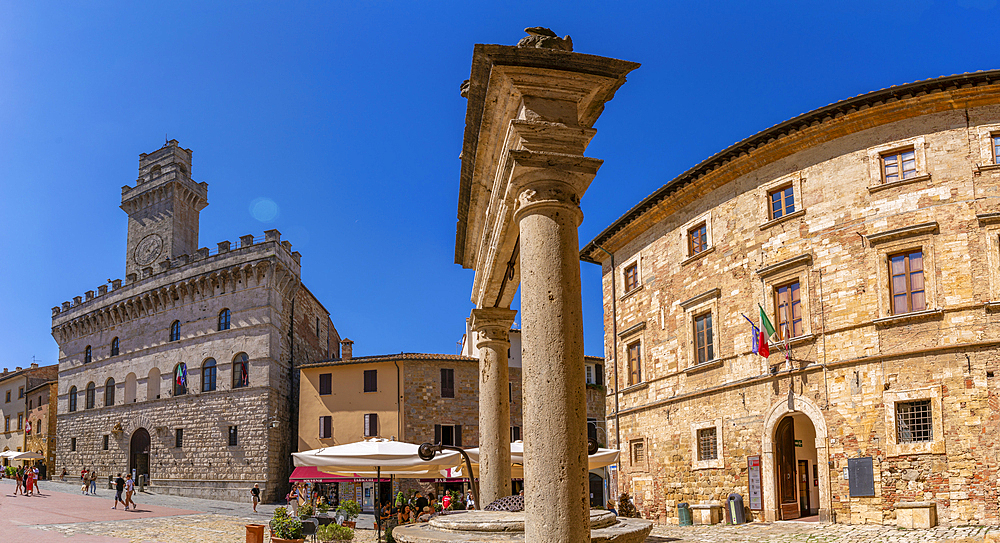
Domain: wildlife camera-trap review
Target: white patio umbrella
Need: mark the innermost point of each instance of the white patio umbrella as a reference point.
(8, 454)
(27, 456)
(600, 459)
(376, 455)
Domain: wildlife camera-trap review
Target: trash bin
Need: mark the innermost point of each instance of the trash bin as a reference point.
(683, 514)
(734, 509)
(255, 533)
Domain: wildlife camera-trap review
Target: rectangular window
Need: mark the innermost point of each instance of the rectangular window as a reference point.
(325, 384)
(638, 451)
(631, 277)
(996, 148)
(515, 433)
(448, 434)
(20, 422)
(697, 239)
(913, 421)
(447, 383)
(106, 440)
(634, 364)
(899, 165)
(234, 438)
(29, 405)
(906, 283)
(703, 338)
(782, 202)
(599, 374)
(179, 437)
(8, 396)
(590, 374)
(707, 449)
(317, 326)
(371, 380)
(510, 392)
(788, 308)
(20, 393)
(6, 423)
(72, 444)
(371, 424)
(326, 427)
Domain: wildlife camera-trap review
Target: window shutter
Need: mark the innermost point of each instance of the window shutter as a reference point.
(458, 435)
(368, 428)
(437, 434)
(599, 377)
(375, 423)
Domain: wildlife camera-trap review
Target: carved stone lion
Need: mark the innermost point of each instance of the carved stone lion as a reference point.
(540, 37)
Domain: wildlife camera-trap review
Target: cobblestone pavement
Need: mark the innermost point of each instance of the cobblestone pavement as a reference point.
(788, 532)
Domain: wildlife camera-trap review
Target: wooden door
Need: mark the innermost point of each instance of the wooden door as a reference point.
(784, 452)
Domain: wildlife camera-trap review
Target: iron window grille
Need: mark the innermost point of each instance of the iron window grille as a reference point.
(233, 437)
(178, 437)
(106, 442)
(638, 452)
(707, 444)
(913, 422)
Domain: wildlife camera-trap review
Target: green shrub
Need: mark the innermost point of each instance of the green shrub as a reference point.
(284, 525)
(350, 508)
(323, 508)
(334, 532)
(306, 511)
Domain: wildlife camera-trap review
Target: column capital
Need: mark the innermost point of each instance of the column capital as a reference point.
(492, 323)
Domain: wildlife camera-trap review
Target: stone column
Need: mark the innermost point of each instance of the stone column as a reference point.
(555, 405)
(492, 325)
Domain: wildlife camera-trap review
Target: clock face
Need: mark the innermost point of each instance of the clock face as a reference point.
(148, 249)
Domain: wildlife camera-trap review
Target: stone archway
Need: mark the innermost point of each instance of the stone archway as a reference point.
(794, 404)
(139, 453)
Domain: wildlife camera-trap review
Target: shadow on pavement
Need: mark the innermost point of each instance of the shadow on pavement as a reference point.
(659, 539)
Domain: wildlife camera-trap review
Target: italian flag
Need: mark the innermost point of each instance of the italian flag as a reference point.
(766, 331)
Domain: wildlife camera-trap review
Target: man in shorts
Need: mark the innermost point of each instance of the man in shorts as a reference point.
(119, 487)
(129, 490)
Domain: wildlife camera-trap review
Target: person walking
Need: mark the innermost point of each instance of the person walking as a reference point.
(119, 488)
(293, 500)
(255, 493)
(129, 490)
(470, 502)
(83, 479)
(93, 482)
(19, 481)
(34, 482)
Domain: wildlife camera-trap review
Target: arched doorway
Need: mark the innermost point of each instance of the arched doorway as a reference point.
(139, 453)
(795, 472)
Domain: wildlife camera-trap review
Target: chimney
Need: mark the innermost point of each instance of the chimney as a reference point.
(34, 365)
(18, 368)
(346, 349)
(5, 372)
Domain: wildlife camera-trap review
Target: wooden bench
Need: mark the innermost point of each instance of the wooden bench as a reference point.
(916, 515)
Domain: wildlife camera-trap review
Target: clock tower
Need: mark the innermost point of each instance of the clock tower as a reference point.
(163, 209)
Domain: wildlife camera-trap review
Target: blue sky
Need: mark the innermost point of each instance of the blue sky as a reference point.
(342, 123)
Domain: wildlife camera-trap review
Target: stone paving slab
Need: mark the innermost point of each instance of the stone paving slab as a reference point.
(797, 532)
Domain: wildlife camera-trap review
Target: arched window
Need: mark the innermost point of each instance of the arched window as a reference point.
(114, 347)
(180, 379)
(175, 331)
(109, 392)
(72, 399)
(224, 320)
(208, 375)
(91, 390)
(154, 171)
(241, 370)
(153, 384)
(87, 355)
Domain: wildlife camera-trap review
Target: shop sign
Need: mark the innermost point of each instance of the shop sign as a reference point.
(753, 471)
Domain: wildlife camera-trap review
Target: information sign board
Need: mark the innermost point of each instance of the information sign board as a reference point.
(756, 499)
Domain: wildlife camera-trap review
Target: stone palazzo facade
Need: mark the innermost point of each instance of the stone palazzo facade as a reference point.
(869, 231)
(188, 371)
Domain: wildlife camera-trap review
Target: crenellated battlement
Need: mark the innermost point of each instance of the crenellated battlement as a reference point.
(248, 248)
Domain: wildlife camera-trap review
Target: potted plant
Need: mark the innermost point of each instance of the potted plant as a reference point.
(306, 510)
(285, 528)
(350, 509)
(334, 532)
